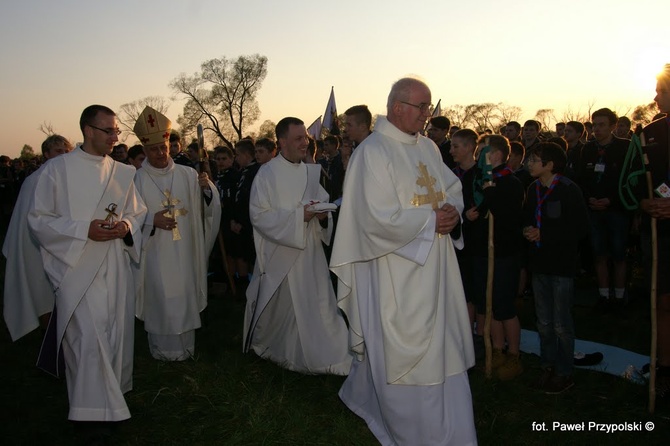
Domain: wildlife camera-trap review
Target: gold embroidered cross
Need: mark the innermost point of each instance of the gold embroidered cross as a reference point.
(170, 204)
(425, 180)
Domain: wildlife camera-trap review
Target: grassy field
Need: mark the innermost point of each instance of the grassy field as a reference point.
(224, 397)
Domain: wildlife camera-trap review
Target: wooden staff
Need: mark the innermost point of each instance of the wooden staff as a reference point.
(489, 299)
(487, 175)
(654, 277)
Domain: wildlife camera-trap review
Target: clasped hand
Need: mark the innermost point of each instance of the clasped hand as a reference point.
(656, 207)
(162, 221)
(102, 230)
(446, 219)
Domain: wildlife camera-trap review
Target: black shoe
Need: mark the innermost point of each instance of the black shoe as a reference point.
(587, 359)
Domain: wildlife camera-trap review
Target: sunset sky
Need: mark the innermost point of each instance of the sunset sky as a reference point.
(60, 56)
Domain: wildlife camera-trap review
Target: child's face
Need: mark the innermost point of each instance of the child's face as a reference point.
(461, 150)
(536, 168)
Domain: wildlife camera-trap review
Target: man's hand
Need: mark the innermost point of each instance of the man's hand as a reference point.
(100, 230)
(599, 204)
(203, 181)
(531, 233)
(656, 207)
(163, 222)
(309, 215)
(446, 219)
(472, 214)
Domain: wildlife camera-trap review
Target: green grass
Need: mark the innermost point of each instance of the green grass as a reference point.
(224, 397)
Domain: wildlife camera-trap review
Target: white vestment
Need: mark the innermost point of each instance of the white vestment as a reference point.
(92, 280)
(400, 287)
(171, 278)
(28, 293)
(291, 316)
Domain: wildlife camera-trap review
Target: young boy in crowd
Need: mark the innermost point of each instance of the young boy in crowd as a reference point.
(555, 220)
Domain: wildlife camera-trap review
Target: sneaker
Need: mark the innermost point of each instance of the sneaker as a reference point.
(558, 385)
(498, 358)
(511, 368)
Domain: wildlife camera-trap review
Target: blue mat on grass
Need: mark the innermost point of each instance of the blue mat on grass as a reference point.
(616, 361)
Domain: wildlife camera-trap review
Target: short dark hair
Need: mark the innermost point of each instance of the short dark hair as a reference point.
(223, 149)
(361, 114)
(625, 120)
(605, 113)
(514, 124)
(266, 143)
(245, 146)
(441, 122)
(532, 123)
(281, 130)
(516, 148)
(135, 150)
(576, 126)
(468, 135)
(175, 136)
(54, 141)
(562, 143)
(90, 112)
(332, 139)
(550, 151)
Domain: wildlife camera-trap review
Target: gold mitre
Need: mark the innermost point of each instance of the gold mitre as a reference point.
(152, 127)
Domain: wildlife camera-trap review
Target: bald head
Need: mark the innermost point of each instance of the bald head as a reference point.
(408, 105)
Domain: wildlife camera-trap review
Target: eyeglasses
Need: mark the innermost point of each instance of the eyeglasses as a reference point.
(423, 108)
(110, 132)
(534, 160)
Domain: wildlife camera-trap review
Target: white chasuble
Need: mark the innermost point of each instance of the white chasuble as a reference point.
(400, 287)
(94, 326)
(291, 316)
(171, 278)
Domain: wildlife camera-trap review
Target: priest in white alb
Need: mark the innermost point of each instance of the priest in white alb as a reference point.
(399, 282)
(28, 296)
(184, 210)
(86, 217)
(291, 316)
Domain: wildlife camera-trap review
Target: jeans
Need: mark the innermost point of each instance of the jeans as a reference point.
(554, 296)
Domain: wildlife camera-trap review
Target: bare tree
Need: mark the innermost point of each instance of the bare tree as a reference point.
(569, 114)
(546, 118)
(223, 92)
(509, 113)
(46, 128)
(483, 116)
(456, 114)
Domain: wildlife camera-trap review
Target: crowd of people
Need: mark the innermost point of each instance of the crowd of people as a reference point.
(365, 255)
